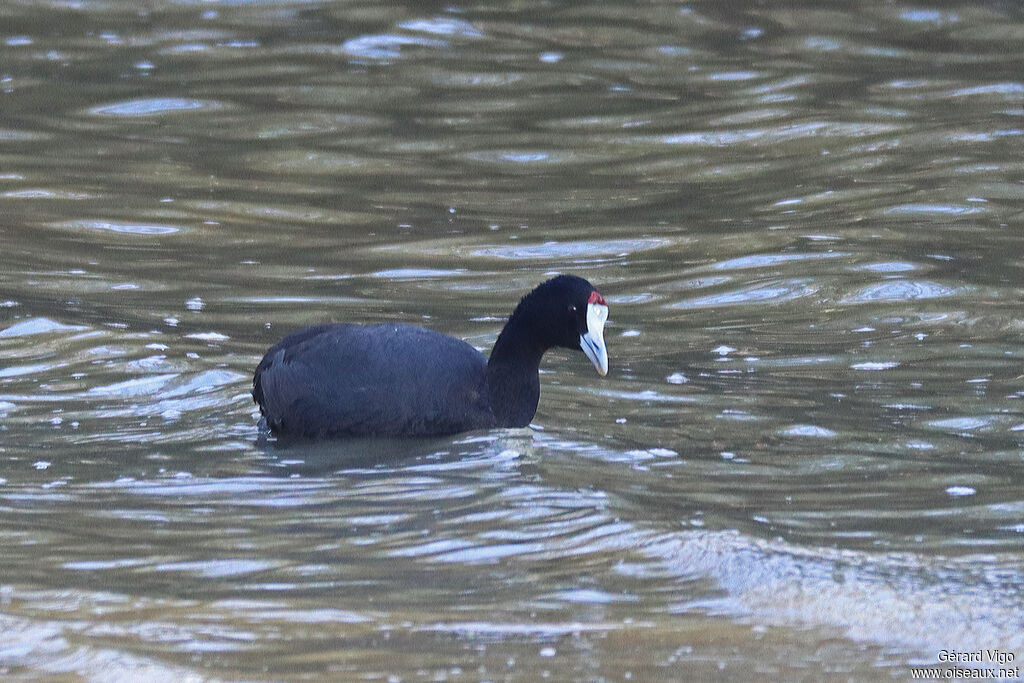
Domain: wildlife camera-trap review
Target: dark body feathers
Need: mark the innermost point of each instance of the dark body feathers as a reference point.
(398, 380)
(332, 380)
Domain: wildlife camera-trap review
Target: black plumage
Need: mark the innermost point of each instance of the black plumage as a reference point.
(393, 379)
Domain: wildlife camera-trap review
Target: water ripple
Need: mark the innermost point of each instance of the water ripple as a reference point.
(119, 227)
(935, 210)
(574, 249)
(774, 135)
(445, 26)
(386, 46)
(774, 292)
(900, 290)
(36, 326)
(157, 106)
(766, 260)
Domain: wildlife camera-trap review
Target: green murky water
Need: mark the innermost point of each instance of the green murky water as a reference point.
(807, 460)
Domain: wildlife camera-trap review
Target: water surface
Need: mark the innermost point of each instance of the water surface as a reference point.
(806, 460)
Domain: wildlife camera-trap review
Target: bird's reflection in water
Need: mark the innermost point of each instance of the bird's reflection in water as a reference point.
(502, 450)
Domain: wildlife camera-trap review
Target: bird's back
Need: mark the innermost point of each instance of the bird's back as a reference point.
(376, 380)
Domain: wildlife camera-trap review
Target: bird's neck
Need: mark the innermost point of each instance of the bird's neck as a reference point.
(513, 382)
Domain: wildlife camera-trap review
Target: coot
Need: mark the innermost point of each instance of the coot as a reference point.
(398, 380)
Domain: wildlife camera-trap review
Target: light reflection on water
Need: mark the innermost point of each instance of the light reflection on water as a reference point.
(806, 457)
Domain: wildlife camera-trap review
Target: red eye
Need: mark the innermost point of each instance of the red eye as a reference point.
(596, 298)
